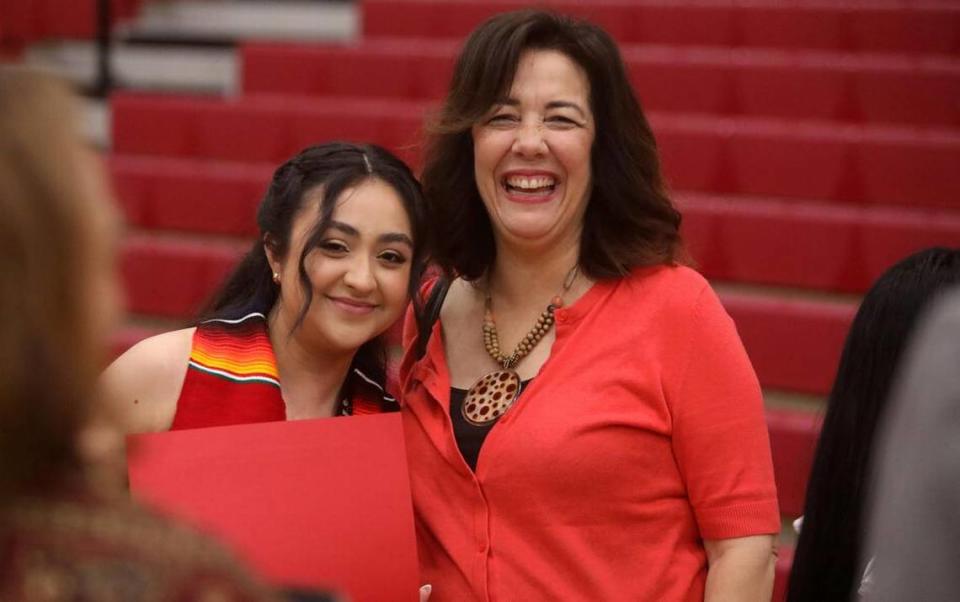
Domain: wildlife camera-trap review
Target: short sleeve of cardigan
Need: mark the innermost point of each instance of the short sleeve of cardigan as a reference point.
(720, 435)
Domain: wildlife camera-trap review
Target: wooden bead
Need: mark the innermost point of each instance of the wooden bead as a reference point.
(491, 339)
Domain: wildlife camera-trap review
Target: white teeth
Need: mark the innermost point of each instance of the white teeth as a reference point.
(530, 183)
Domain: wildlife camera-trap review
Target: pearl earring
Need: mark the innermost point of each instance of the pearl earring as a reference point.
(276, 277)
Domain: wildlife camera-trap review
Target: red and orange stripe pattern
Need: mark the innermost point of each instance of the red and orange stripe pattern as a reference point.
(235, 350)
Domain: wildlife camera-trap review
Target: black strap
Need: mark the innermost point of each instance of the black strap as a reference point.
(431, 312)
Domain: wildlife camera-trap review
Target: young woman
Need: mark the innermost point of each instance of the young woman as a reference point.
(583, 422)
(294, 333)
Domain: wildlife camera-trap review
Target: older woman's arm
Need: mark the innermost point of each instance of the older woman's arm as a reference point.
(741, 569)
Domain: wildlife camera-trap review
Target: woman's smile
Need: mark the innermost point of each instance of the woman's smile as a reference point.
(352, 306)
(529, 186)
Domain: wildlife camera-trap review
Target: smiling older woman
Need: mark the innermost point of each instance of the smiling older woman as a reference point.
(582, 420)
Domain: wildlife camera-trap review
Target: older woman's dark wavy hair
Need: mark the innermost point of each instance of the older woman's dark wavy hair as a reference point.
(828, 562)
(629, 220)
(332, 168)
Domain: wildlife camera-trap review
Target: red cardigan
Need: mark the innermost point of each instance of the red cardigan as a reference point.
(642, 435)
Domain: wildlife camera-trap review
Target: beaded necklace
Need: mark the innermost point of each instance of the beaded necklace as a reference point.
(493, 394)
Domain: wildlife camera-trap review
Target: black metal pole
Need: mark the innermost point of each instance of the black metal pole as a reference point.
(104, 76)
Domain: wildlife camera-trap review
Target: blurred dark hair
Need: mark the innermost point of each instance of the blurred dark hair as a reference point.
(827, 564)
(331, 168)
(629, 220)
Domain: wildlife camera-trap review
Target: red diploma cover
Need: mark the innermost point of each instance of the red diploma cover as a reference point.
(309, 503)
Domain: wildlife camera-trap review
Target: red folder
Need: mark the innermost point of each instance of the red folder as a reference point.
(310, 503)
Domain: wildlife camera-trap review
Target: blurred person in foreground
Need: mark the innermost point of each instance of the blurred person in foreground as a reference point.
(582, 421)
(830, 564)
(65, 534)
(914, 526)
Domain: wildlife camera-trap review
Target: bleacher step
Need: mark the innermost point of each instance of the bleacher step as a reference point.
(229, 20)
(804, 159)
(918, 26)
(206, 70)
(95, 122)
(796, 83)
(851, 243)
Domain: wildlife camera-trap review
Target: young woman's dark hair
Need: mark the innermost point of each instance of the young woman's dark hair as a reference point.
(629, 220)
(333, 168)
(829, 561)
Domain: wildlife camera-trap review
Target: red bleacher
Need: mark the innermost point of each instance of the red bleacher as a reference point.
(810, 159)
(847, 25)
(263, 128)
(794, 343)
(722, 81)
(187, 195)
(25, 21)
(793, 448)
(744, 155)
(809, 145)
(850, 245)
(169, 276)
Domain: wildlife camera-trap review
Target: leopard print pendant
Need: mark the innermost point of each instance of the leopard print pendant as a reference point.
(490, 397)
